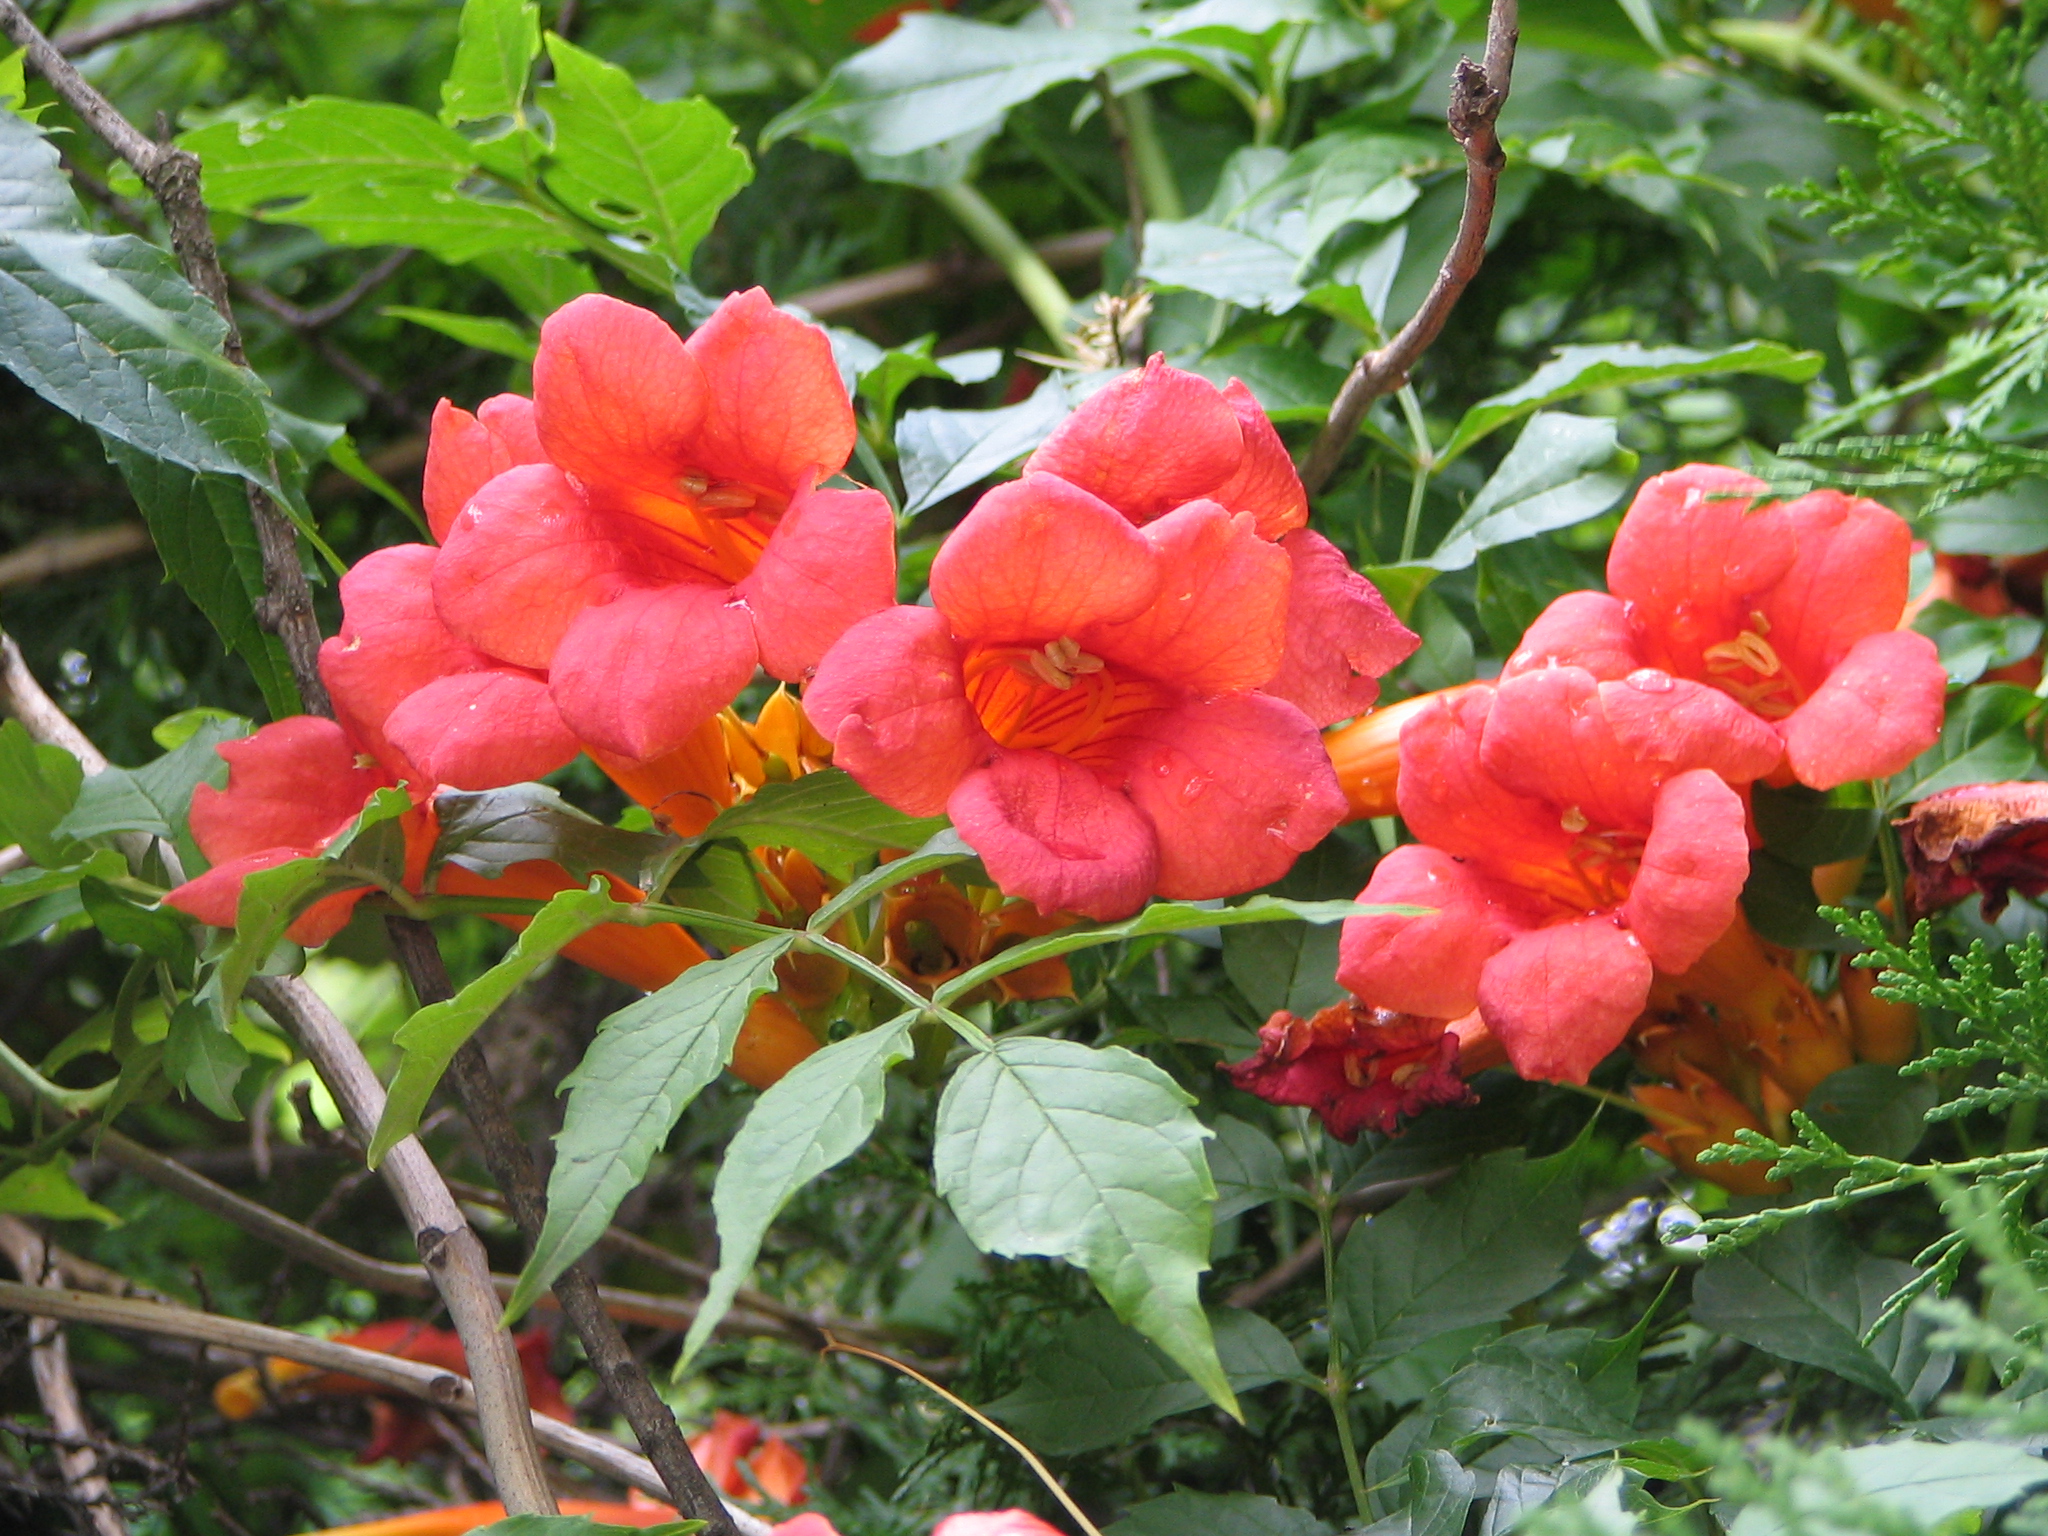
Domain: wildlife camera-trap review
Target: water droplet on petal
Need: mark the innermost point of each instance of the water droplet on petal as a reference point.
(1651, 680)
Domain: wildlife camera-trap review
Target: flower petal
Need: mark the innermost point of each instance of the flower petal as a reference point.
(1547, 736)
(1038, 559)
(1218, 623)
(639, 674)
(618, 401)
(1236, 788)
(392, 643)
(1265, 484)
(1697, 857)
(478, 730)
(1148, 442)
(293, 784)
(1052, 832)
(1452, 803)
(526, 556)
(1426, 965)
(1880, 708)
(1691, 559)
(776, 413)
(830, 563)
(1673, 725)
(1579, 629)
(465, 451)
(1848, 580)
(1341, 635)
(1561, 998)
(890, 698)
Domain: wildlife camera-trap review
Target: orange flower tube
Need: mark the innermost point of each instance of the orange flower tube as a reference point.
(1695, 1115)
(1882, 1031)
(1367, 753)
(771, 1041)
(647, 958)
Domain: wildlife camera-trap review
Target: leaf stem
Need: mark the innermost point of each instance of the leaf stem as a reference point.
(1425, 465)
(1155, 170)
(1336, 1376)
(984, 223)
(72, 1101)
(897, 988)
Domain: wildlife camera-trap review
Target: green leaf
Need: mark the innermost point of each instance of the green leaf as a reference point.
(46, 1189)
(1577, 370)
(1983, 741)
(432, 1036)
(826, 816)
(1562, 470)
(494, 52)
(155, 931)
(173, 731)
(1095, 1382)
(890, 372)
(639, 1075)
(1290, 383)
(20, 886)
(658, 170)
(1161, 917)
(1805, 1293)
(1050, 1147)
(1497, 1235)
(201, 527)
(1443, 1492)
(539, 282)
(157, 797)
(1926, 1484)
(203, 1058)
(941, 452)
(366, 173)
(1810, 827)
(1872, 1110)
(942, 850)
(2010, 521)
(486, 333)
(1237, 268)
(936, 77)
(488, 831)
(1517, 582)
(815, 1118)
(1283, 965)
(1216, 1514)
(38, 786)
(1971, 644)
(1778, 900)
(1248, 1168)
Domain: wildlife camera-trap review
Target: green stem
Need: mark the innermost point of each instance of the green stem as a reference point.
(1027, 271)
(1894, 875)
(1425, 463)
(1337, 1376)
(1271, 111)
(898, 988)
(1155, 170)
(71, 1101)
(1793, 48)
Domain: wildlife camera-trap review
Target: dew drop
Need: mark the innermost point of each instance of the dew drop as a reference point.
(1650, 680)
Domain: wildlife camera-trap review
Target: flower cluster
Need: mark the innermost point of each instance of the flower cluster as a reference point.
(1581, 823)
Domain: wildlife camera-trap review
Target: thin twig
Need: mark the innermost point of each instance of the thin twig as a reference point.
(427, 1382)
(322, 315)
(1360, 1202)
(65, 554)
(1478, 91)
(1062, 253)
(85, 39)
(50, 1363)
(452, 1252)
(576, 1288)
(172, 176)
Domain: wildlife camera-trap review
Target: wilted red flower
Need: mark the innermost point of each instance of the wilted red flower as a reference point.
(1790, 609)
(677, 538)
(1160, 438)
(1355, 1066)
(1988, 839)
(1573, 834)
(1081, 700)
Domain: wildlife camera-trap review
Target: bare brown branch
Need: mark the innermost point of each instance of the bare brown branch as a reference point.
(833, 300)
(50, 1364)
(1478, 92)
(85, 39)
(65, 554)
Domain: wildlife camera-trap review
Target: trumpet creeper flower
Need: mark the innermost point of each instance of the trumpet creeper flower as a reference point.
(1573, 834)
(677, 536)
(1791, 609)
(1160, 438)
(1082, 699)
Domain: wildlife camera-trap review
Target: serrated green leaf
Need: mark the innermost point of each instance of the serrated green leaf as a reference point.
(941, 452)
(496, 44)
(639, 1075)
(38, 786)
(204, 1058)
(432, 1036)
(1216, 1514)
(1926, 1484)
(657, 169)
(1495, 1236)
(1562, 470)
(19, 886)
(366, 173)
(1052, 1148)
(813, 1119)
(1162, 917)
(1224, 264)
(157, 797)
(1283, 965)
(826, 816)
(1577, 370)
(1248, 1168)
(487, 333)
(47, 1190)
(1096, 1382)
(154, 930)
(488, 831)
